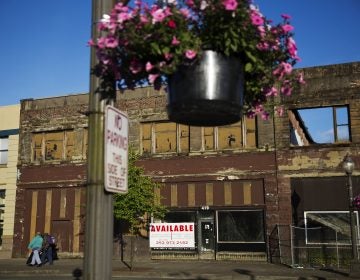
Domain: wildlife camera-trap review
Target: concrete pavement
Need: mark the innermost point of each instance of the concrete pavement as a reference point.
(225, 270)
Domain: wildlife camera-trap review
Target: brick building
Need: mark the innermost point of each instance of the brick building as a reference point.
(237, 183)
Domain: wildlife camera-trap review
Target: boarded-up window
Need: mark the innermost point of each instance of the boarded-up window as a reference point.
(54, 145)
(209, 138)
(146, 138)
(60, 145)
(86, 141)
(184, 138)
(37, 146)
(229, 137)
(250, 128)
(165, 137)
(70, 144)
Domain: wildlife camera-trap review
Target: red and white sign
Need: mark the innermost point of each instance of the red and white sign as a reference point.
(116, 150)
(172, 235)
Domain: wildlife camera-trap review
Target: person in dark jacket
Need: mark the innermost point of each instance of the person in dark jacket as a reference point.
(47, 248)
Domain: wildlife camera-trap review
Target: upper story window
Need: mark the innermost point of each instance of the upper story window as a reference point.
(59, 145)
(169, 137)
(4, 147)
(324, 125)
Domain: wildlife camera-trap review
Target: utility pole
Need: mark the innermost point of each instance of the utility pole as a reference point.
(98, 249)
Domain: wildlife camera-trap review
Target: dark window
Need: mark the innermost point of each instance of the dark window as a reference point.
(240, 226)
(2, 206)
(180, 217)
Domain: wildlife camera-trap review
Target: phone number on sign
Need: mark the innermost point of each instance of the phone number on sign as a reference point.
(172, 242)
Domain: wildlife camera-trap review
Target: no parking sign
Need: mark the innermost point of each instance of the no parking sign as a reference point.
(116, 150)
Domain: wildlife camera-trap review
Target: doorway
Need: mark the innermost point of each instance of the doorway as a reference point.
(206, 235)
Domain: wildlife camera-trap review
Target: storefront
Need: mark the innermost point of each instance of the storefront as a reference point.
(228, 224)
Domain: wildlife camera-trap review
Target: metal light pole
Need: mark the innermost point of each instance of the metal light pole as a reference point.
(98, 249)
(348, 166)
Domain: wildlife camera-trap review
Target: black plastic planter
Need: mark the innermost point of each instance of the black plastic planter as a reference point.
(208, 93)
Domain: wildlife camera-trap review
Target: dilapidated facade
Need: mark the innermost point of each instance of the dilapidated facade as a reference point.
(237, 183)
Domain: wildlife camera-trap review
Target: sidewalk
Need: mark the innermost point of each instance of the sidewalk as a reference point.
(176, 270)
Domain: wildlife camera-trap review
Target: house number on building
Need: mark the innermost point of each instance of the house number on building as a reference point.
(116, 150)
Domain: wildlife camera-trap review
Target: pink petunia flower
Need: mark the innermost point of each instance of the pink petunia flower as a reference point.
(144, 19)
(287, 28)
(190, 54)
(271, 92)
(122, 17)
(111, 42)
(119, 7)
(101, 43)
(265, 116)
(148, 66)
(168, 56)
(158, 15)
(91, 43)
(175, 41)
(285, 16)
(287, 67)
(301, 78)
(256, 19)
(258, 108)
(167, 12)
(283, 69)
(291, 46)
(286, 90)
(152, 78)
(263, 46)
(279, 111)
(230, 5)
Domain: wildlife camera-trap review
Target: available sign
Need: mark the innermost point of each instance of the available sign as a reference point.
(116, 150)
(172, 235)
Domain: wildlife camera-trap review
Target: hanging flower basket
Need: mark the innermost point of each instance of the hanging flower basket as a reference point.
(207, 93)
(159, 45)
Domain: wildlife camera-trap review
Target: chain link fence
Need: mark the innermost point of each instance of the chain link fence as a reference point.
(309, 247)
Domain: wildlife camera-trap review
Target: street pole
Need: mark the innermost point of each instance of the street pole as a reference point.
(348, 166)
(98, 249)
(352, 220)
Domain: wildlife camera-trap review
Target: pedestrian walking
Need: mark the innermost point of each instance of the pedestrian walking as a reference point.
(47, 249)
(35, 246)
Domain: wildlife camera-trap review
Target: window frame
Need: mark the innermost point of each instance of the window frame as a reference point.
(329, 243)
(4, 151)
(148, 138)
(65, 146)
(304, 126)
(261, 211)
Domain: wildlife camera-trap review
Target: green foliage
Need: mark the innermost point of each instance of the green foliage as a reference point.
(141, 198)
(142, 45)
